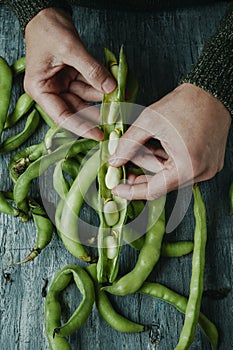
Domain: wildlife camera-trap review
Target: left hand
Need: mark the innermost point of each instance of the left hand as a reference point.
(61, 75)
(192, 127)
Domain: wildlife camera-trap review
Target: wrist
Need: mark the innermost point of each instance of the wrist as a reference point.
(46, 15)
(27, 10)
(205, 98)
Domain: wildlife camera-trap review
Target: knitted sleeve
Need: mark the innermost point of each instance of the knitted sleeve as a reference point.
(214, 69)
(26, 9)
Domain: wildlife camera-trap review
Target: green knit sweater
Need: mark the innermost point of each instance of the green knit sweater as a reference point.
(214, 69)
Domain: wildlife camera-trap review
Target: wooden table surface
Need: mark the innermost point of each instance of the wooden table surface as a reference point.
(160, 47)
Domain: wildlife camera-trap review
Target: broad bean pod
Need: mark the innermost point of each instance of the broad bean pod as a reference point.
(54, 330)
(149, 254)
(73, 246)
(22, 159)
(60, 184)
(81, 145)
(16, 141)
(168, 249)
(44, 235)
(52, 132)
(164, 293)
(5, 88)
(197, 278)
(71, 167)
(74, 200)
(35, 169)
(109, 177)
(106, 310)
(176, 249)
(44, 116)
(5, 206)
(23, 105)
(19, 66)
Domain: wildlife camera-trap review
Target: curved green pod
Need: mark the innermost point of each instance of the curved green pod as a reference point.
(106, 310)
(19, 65)
(164, 293)
(5, 88)
(56, 332)
(23, 105)
(16, 141)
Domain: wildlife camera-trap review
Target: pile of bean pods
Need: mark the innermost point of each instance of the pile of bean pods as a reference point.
(78, 164)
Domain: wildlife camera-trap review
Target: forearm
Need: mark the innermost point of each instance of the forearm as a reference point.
(214, 70)
(26, 9)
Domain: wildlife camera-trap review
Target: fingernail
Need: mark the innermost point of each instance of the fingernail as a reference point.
(112, 161)
(114, 192)
(109, 85)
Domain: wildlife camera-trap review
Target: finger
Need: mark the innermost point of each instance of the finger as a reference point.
(148, 162)
(134, 179)
(158, 152)
(129, 144)
(142, 179)
(131, 179)
(156, 186)
(94, 72)
(85, 91)
(81, 109)
(59, 111)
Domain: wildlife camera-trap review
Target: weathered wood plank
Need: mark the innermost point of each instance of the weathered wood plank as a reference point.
(162, 50)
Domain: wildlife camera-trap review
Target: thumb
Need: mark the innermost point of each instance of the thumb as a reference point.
(129, 144)
(94, 72)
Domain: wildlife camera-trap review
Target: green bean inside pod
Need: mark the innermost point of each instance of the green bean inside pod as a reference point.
(112, 210)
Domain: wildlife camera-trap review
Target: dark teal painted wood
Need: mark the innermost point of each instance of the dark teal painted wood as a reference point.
(160, 48)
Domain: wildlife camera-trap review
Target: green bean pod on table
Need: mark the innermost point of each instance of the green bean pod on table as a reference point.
(73, 246)
(44, 228)
(73, 203)
(168, 249)
(56, 332)
(60, 184)
(51, 134)
(23, 106)
(197, 278)
(22, 159)
(71, 167)
(38, 167)
(5, 88)
(16, 141)
(5, 206)
(19, 65)
(106, 310)
(164, 293)
(44, 116)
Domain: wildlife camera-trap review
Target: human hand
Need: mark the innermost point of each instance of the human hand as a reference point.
(192, 127)
(61, 74)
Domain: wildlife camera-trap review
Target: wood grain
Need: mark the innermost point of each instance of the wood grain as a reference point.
(161, 47)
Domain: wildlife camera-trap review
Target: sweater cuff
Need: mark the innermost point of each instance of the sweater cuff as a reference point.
(26, 10)
(214, 69)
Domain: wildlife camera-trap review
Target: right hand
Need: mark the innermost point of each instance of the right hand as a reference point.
(61, 74)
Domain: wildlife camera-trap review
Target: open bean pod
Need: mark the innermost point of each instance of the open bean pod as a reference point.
(112, 210)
